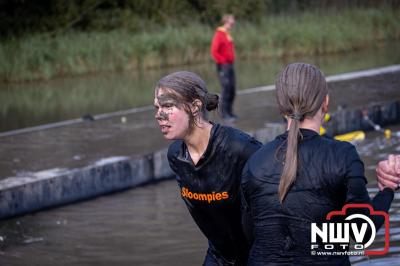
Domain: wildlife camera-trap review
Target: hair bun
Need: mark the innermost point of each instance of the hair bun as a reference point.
(212, 101)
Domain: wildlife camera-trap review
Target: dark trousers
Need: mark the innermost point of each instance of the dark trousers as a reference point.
(226, 75)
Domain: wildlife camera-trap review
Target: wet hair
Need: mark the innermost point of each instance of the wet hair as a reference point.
(300, 91)
(183, 88)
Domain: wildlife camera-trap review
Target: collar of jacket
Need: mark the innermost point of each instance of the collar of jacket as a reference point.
(304, 134)
(228, 35)
(184, 155)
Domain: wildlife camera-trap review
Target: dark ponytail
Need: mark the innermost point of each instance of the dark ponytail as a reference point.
(212, 101)
(300, 91)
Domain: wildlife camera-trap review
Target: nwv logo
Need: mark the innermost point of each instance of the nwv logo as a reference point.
(335, 235)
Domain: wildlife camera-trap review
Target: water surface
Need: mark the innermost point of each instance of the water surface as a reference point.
(29, 104)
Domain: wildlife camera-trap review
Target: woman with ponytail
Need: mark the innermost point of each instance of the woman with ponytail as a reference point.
(208, 160)
(300, 177)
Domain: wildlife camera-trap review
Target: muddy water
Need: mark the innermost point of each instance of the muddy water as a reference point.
(29, 104)
(147, 226)
(80, 144)
(144, 226)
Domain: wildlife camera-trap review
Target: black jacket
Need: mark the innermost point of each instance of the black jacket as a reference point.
(210, 189)
(330, 174)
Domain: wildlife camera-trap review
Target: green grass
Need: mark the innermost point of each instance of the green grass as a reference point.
(75, 53)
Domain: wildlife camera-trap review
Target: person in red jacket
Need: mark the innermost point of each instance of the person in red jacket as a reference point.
(223, 53)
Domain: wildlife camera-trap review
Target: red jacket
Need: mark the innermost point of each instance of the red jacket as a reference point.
(222, 48)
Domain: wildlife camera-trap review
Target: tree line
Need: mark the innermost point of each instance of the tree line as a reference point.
(27, 17)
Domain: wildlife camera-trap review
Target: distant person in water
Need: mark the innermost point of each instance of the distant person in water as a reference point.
(300, 177)
(208, 160)
(223, 53)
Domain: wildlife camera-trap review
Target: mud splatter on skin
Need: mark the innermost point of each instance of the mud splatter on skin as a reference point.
(163, 116)
(170, 98)
(167, 101)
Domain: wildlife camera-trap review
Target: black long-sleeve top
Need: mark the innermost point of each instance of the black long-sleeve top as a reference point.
(330, 174)
(210, 189)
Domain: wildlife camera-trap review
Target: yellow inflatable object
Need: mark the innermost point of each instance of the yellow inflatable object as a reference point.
(388, 133)
(322, 131)
(327, 117)
(351, 136)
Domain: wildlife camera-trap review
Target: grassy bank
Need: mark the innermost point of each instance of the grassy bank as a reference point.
(74, 53)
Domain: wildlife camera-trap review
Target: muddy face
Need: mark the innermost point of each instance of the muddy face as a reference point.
(170, 115)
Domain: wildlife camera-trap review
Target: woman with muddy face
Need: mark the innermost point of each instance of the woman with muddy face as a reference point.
(208, 160)
(182, 101)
